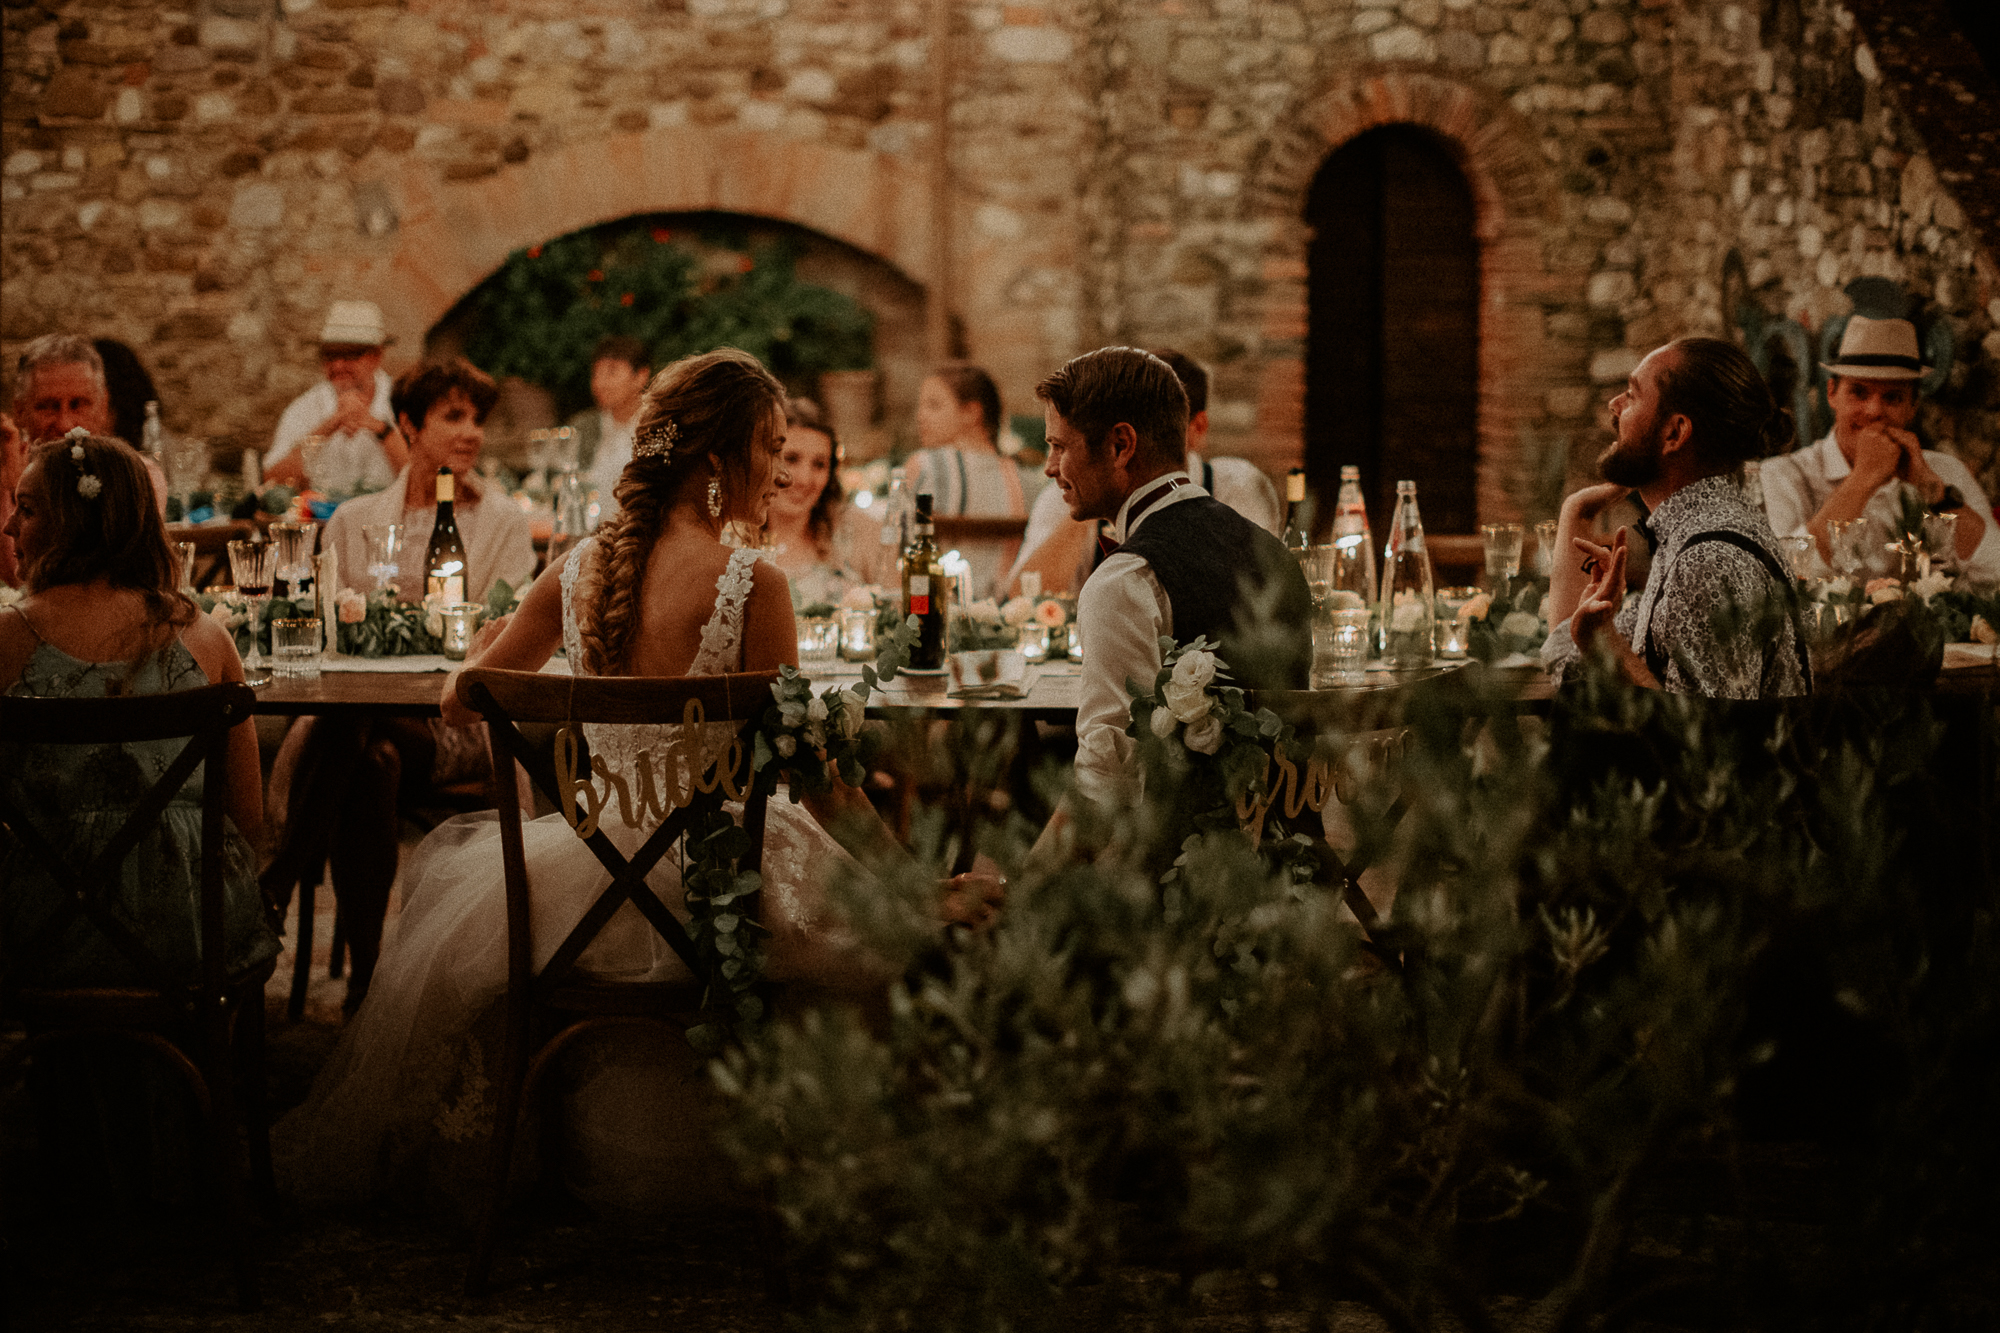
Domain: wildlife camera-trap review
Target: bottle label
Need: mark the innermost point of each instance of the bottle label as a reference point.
(920, 594)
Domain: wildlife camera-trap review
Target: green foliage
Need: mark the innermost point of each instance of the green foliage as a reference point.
(1212, 1070)
(542, 314)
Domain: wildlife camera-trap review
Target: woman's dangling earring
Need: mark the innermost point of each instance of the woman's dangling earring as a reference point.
(715, 496)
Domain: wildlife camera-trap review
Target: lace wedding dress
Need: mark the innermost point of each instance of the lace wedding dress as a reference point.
(406, 1103)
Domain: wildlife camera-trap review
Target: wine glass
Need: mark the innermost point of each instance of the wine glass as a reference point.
(294, 545)
(250, 564)
(1503, 555)
(385, 549)
(187, 467)
(311, 449)
(1843, 538)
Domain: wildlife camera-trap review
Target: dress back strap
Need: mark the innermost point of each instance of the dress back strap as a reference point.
(15, 608)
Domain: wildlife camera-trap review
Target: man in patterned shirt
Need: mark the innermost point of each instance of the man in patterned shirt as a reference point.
(1692, 412)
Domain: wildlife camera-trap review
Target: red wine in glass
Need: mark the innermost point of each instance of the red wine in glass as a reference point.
(252, 591)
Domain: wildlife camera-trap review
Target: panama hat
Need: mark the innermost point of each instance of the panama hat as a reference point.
(1878, 349)
(354, 324)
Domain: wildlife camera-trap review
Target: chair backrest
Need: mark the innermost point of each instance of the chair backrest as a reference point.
(203, 717)
(507, 699)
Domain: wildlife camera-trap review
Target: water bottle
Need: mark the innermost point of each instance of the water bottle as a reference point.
(1408, 622)
(572, 516)
(899, 520)
(1354, 581)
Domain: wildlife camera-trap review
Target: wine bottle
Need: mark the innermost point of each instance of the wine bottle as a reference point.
(1408, 608)
(1295, 536)
(444, 563)
(926, 590)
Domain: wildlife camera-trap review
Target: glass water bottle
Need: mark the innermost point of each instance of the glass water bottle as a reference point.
(1408, 623)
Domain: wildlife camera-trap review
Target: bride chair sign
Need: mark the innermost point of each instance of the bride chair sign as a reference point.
(683, 782)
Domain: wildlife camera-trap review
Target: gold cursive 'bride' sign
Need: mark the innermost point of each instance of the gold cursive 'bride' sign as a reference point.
(660, 792)
(1321, 783)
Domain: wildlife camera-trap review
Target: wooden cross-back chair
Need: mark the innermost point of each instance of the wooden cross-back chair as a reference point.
(198, 1025)
(562, 996)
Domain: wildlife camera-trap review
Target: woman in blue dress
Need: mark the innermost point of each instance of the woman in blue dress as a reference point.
(103, 617)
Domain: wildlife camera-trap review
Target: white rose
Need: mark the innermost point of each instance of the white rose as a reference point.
(853, 711)
(1930, 585)
(1186, 702)
(786, 746)
(1205, 735)
(1018, 612)
(1162, 723)
(1195, 668)
(985, 609)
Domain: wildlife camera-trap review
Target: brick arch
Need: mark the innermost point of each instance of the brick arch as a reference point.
(1514, 197)
(451, 236)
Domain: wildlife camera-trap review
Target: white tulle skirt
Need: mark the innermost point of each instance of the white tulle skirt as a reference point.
(406, 1103)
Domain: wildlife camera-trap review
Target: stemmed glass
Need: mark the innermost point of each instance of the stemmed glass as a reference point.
(250, 564)
(1503, 555)
(1843, 537)
(1940, 545)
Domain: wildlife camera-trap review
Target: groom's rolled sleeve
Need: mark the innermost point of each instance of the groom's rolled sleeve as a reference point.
(1121, 615)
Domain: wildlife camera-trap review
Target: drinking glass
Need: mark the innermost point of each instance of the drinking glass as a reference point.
(311, 449)
(250, 564)
(1545, 549)
(187, 467)
(1798, 553)
(294, 543)
(1347, 644)
(295, 647)
(857, 634)
(1940, 550)
(1844, 537)
(460, 620)
(1454, 631)
(819, 638)
(1317, 564)
(385, 548)
(184, 554)
(1503, 554)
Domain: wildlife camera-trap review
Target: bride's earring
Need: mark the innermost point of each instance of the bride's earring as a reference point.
(715, 496)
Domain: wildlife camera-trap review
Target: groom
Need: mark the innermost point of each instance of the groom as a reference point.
(1179, 564)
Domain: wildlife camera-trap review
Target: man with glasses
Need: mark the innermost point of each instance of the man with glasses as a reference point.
(349, 409)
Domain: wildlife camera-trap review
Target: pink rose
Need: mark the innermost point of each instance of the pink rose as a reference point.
(351, 606)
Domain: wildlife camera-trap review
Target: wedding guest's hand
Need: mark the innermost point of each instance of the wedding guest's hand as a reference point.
(1603, 595)
(1879, 455)
(973, 899)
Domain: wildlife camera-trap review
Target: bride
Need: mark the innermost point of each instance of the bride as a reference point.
(406, 1101)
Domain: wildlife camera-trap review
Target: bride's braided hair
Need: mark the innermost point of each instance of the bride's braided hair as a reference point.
(719, 406)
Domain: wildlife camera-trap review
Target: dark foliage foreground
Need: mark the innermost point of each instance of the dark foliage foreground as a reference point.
(1620, 944)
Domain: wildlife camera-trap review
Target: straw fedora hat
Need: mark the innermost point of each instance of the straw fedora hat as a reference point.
(1878, 349)
(354, 324)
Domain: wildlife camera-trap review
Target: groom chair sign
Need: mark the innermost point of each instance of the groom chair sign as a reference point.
(686, 792)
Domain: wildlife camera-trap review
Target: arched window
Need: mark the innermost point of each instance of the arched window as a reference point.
(1392, 344)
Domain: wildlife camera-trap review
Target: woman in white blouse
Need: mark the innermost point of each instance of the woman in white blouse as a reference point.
(960, 465)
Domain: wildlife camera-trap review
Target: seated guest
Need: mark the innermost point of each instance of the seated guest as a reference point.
(441, 408)
(805, 513)
(129, 386)
(619, 370)
(1182, 564)
(13, 458)
(1860, 469)
(1691, 413)
(59, 387)
(349, 408)
(960, 466)
(104, 617)
(1062, 551)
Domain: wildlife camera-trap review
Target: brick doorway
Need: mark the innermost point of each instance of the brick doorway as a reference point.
(1392, 340)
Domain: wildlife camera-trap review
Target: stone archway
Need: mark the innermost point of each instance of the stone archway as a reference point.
(451, 236)
(1514, 198)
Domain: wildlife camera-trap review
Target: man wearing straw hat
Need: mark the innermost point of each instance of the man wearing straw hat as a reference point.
(1860, 470)
(349, 409)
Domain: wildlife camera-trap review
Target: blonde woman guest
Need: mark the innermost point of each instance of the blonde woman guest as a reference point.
(960, 465)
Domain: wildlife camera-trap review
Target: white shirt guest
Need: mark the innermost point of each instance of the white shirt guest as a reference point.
(349, 408)
(1860, 469)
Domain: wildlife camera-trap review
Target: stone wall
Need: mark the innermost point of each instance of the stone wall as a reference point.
(201, 180)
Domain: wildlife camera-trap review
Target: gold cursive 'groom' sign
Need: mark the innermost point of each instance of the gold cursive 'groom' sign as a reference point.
(663, 785)
(1321, 783)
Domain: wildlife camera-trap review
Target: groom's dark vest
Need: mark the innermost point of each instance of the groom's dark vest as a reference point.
(1230, 580)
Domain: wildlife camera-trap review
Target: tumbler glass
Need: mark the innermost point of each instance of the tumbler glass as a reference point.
(295, 649)
(1503, 554)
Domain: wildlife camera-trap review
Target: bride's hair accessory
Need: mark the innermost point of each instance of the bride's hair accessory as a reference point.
(715, 496)
(88, 484)
(658, 438)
